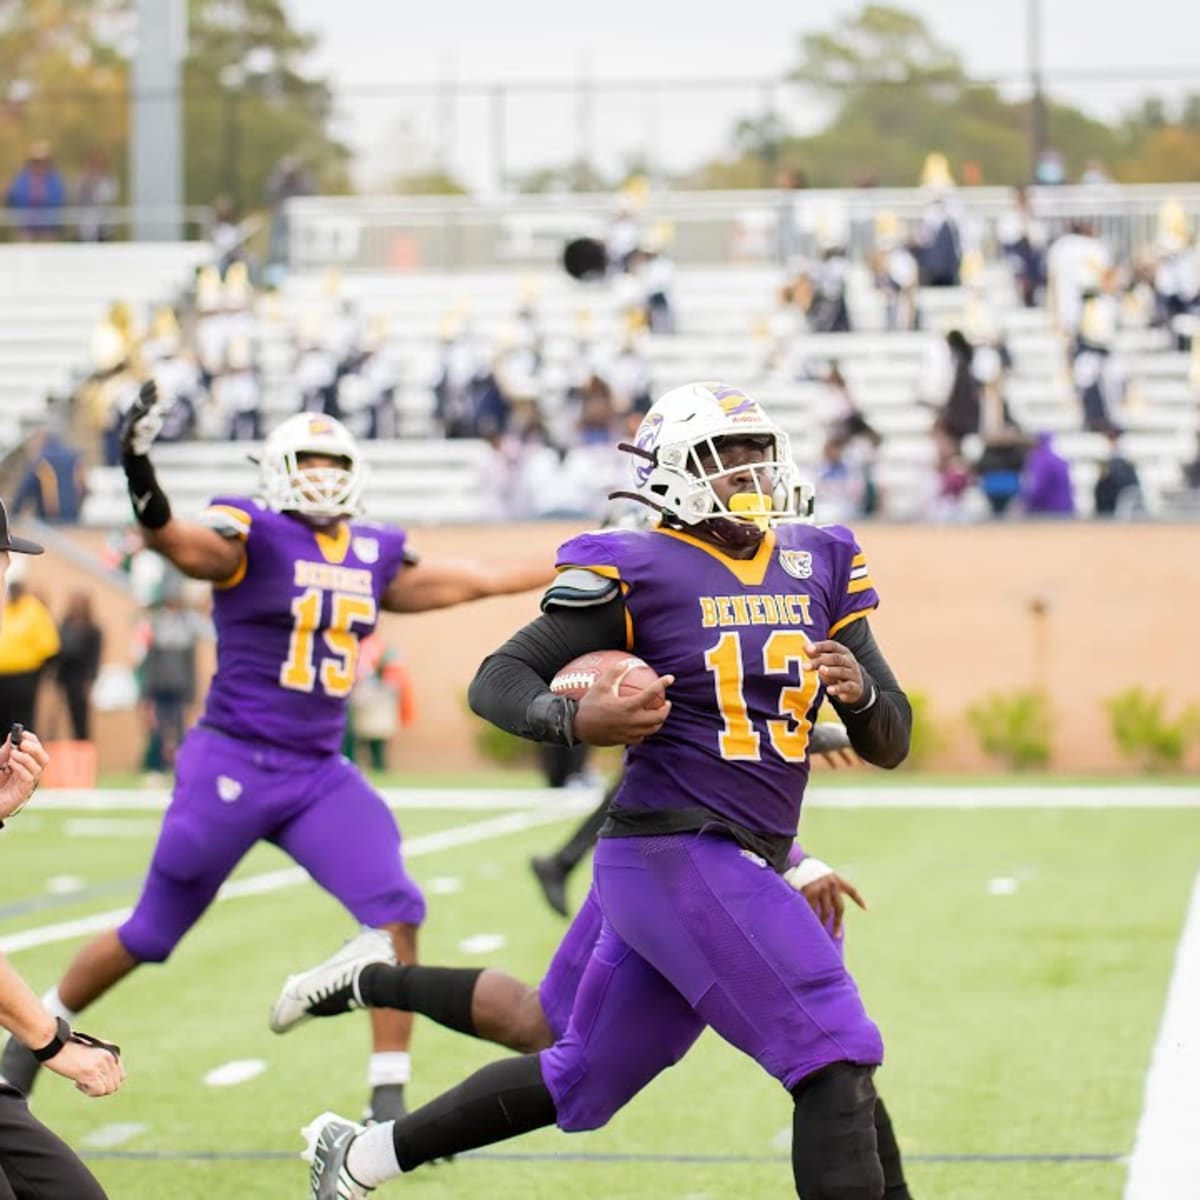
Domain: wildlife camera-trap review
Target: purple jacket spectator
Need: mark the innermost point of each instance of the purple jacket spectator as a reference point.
(1046, 484)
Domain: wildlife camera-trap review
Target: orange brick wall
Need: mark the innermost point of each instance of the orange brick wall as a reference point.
(1081, 610)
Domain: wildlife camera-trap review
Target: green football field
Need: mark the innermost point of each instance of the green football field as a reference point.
(1017, 961)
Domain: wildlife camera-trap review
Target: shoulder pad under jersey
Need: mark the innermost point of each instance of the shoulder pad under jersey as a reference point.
(577, 587)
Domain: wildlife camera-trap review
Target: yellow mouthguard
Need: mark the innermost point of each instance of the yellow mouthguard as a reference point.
(752, 506)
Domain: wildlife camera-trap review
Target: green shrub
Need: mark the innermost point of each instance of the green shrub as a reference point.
(498, 745)
(928, 737)
(1143, 732)
(1014, 727)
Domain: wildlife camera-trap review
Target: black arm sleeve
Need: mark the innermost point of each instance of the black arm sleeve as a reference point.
(881, 733)
(509, 689)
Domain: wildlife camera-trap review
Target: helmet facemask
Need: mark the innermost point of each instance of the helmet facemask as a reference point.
(321, 493)
(681, 472)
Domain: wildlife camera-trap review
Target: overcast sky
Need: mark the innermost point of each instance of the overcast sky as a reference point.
(369, 44)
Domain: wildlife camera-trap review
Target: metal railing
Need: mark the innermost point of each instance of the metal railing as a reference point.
(110, 223)
(462, 233)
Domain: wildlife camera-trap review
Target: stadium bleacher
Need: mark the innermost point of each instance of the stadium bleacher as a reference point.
(52, 297)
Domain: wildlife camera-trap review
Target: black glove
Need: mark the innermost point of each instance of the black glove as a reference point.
(138, 431)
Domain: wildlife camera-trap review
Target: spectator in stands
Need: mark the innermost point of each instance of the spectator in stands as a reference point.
(630, 379)
(316, 372)
(1022, 237)
(827, 310)
(227, 238)
(37, 194)
(96, 190)
(1050, 170)
(1046, 481)
(624, 236)
(841, 489)
(1076, 265)
(1097, 372)
(1176, 273)
(174, 368)
(949, 484)
(1118, 490)
(960, 414)
(78, 662)
(237, 393)
(940, 240)
(787, 225)
(894, 266)
(28, 641)
(657, 274)
(53, 486)
(289, 180)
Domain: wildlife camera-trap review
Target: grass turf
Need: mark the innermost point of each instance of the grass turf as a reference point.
(1018, 1024)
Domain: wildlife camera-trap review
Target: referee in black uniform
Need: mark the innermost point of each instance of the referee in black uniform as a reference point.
(35, 1164)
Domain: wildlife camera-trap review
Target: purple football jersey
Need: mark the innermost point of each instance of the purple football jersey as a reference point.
(735, 635)
(289, 623)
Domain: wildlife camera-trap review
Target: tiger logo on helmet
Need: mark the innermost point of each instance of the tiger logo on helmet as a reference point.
(677, 458)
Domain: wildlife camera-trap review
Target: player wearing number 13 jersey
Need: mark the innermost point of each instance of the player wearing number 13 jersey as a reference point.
(751, 620)
(298, 580)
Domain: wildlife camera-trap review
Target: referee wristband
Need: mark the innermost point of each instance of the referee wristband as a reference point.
(61, 1037)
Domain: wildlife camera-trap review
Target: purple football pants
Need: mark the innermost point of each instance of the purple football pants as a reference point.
(693, 932)
(230, 794)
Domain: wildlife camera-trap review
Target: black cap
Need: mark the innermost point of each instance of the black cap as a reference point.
(15, 544)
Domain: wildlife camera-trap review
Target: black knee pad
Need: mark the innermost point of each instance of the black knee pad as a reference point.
(834, 1152)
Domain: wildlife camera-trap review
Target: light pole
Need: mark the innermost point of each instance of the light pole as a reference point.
(1037, 104)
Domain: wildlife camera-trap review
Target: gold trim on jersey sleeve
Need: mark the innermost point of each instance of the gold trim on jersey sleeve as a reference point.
(237, 577)
(846, 620)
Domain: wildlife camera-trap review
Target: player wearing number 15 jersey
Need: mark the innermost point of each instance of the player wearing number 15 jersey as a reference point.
(751, 621)
(298, 580)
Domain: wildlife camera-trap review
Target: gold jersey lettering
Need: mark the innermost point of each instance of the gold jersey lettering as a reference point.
(333, 578)
(749, 608)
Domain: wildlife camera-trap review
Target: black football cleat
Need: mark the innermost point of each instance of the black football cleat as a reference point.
(552, 879)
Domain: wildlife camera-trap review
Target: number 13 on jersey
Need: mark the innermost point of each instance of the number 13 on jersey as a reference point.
(789, 735)
(299, 672)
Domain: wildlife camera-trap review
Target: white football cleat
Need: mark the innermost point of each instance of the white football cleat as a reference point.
(327, 1141)
(331, 987)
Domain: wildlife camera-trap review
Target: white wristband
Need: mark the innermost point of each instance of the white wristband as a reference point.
(806, 871)
(874, 696)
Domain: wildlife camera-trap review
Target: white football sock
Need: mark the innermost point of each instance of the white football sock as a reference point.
(371, 1158)
(389, 1066)
(56, 1008)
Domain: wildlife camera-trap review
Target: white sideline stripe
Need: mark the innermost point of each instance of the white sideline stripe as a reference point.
(570, 800)
(1166, 1150)
(272, 881)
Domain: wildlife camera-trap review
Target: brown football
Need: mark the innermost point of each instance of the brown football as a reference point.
(580, 673)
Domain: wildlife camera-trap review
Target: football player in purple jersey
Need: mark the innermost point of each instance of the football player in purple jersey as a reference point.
(298, 579)
(751, 621)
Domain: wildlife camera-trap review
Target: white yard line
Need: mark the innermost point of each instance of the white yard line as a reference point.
(272, 881)
(568, 800)
(1166, 1152)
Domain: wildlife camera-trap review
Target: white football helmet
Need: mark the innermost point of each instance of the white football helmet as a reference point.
(670, 477)
(322, 492)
